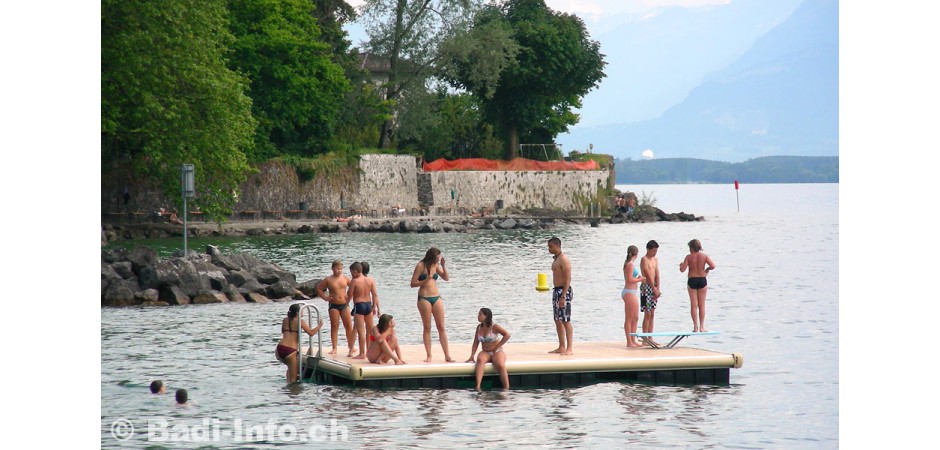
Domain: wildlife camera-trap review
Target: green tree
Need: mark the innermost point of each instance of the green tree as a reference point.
(407, 33)
(556, 65)
(331, 15)
(168, 97)
(440, 124)
(296, 88)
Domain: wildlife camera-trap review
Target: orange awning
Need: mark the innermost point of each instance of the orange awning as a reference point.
(516, 164)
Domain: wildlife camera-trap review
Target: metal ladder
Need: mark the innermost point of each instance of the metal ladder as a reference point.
(310, 309)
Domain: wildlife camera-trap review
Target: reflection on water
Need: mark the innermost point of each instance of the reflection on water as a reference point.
(774, 297)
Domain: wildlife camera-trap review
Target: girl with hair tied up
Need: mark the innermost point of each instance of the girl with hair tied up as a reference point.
(631, 295)
(286, 351)
(487, 336)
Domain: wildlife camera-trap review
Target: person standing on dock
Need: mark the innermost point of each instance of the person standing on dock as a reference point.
(649, 288)
(365, 303)
(430, 304)
(696, 261)
(562, 295)
(337, 284)
(629, 294)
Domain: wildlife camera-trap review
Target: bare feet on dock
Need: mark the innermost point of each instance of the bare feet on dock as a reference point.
(359, 356)
(557, 350)
(568, 352)
(449, 359)
(350, 355)
(332, 352)
(428, 359)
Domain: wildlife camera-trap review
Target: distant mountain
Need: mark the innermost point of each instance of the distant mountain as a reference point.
(657, 56)
(780, 98)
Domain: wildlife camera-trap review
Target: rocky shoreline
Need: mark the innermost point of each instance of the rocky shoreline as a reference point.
(139, 278)
(529, 219)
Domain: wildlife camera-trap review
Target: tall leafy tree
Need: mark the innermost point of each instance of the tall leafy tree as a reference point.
(296, 87)
(443, 124)
(407, 33)
(555, 66)
(169, 98)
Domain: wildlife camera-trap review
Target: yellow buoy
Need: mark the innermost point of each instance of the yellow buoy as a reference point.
(542, 283)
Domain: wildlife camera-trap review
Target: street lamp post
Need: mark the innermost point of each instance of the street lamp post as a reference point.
(188, 181)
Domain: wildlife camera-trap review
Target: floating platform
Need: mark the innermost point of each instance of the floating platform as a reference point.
(530, 365)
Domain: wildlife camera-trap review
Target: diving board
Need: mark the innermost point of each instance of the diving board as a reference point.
(677, 336)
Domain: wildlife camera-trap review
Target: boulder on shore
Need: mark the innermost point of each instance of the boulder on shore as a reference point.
(140, 278)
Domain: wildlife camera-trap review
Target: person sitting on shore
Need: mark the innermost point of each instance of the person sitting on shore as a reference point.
(170, 216)
(347, 219)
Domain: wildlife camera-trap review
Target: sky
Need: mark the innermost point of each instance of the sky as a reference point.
(51, 143)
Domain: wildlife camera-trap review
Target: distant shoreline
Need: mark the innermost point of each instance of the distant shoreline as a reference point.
(764, 170)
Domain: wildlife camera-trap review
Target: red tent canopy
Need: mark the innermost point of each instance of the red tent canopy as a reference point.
(516, 164)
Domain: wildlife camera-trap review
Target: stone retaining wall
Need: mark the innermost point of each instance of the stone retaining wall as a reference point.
(383, 181)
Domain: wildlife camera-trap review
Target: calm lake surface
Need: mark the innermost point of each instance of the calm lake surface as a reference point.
(774, 296)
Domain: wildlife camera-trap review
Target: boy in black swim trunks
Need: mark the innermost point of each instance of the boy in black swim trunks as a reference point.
(337, 284)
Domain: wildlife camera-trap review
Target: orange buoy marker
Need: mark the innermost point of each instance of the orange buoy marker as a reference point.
(542, 285)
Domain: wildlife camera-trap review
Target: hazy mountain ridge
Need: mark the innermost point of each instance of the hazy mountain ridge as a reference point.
(779, 98)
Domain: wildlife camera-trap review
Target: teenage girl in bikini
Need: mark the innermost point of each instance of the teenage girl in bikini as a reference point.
(429, 298)
(630, 295)
(384, 342)
(286, 351)
(695, 261)
(487, 336)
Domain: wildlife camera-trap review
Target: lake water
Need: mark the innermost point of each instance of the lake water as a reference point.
(774, 297)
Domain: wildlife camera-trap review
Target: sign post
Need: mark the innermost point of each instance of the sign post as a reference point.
(736, 195)
(187, 182)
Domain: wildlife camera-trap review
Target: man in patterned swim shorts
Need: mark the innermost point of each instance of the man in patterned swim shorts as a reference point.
(649, 289)
(561, 297)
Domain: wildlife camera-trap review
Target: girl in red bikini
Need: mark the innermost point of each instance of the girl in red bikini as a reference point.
(286, 351)
(384, 343)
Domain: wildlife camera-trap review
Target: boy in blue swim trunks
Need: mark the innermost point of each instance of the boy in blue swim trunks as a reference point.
(562, 295)
(365, 305)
